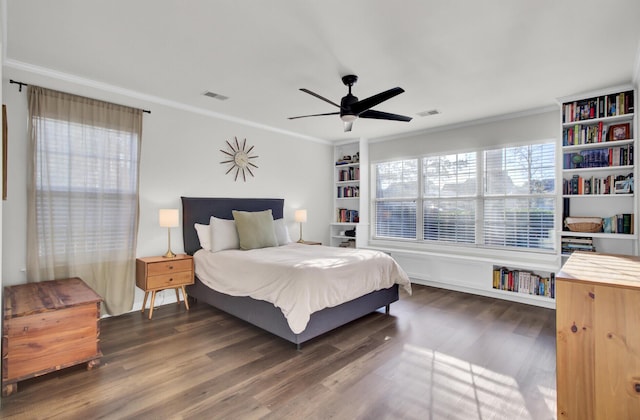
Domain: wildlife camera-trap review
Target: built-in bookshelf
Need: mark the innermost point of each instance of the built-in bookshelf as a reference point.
(527, 282)
(598, 168)
(346, 195)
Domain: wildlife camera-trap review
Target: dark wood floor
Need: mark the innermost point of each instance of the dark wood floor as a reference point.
(439, 355)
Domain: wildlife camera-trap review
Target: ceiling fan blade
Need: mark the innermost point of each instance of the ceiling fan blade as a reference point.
(314, 115)
(379, 115)
(374, 100)
(348, 125)
(319, 97)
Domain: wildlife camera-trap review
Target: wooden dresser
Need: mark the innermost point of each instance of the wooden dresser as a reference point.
(598, 337)
(48, 326)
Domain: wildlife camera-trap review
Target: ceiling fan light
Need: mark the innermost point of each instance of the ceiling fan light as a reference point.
(348, 117)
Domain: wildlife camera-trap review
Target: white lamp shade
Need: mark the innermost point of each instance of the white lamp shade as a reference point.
(300, 216)
(169, 218)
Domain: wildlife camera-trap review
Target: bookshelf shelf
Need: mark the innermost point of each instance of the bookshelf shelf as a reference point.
(614, 169)
(623, 236)
(598, 195)
(531, 283)
(593, 121)
(346, 198)
(529, 296)
(601, 145)
(597, 149)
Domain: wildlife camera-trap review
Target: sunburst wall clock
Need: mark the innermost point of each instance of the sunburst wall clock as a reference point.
(240, 159)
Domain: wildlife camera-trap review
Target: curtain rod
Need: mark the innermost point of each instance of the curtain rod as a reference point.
(20, 84)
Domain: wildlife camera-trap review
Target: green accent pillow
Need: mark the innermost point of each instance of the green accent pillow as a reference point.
(255, 229)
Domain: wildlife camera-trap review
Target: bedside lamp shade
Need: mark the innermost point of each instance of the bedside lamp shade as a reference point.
(169, 218)
(300, 216)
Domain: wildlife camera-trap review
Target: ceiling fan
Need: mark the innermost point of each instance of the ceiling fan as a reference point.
(351, 108)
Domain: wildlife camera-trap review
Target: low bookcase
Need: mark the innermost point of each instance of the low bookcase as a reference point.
(524, 281)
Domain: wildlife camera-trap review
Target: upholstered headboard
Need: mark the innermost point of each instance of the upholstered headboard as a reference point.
(200, 210)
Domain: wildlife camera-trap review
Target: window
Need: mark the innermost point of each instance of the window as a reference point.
(519, 202)
(397, 194)
(449, 200)
(86, 189)
(503, 197)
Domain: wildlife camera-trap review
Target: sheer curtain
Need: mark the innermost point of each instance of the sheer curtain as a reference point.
(83, 193)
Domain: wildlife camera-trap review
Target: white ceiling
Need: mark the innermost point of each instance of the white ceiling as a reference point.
(468, 59)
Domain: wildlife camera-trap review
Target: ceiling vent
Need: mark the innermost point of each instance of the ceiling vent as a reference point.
(216, 96)
(428, 113)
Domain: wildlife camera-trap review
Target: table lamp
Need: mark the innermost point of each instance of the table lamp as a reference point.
(300, 216)
(169, 218)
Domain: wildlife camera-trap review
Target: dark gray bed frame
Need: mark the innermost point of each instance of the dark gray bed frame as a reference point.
(258, 312)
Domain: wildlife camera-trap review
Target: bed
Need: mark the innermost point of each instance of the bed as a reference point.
(258, 312)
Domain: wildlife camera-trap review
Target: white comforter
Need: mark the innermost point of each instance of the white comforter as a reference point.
(299, 279)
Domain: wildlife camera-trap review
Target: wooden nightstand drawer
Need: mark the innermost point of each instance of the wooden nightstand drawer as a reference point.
(165, 281)
(169, 266)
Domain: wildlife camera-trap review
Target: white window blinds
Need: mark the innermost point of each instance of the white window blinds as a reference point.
(450, 191)
(396, 198)
(519, 204)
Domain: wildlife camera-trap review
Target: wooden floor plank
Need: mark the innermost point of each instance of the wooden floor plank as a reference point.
(439, 355)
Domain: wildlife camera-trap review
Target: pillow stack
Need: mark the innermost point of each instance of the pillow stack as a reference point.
(248, 230)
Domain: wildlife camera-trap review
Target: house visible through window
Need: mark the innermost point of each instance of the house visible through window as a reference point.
(503, 197)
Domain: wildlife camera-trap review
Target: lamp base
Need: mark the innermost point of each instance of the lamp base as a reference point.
(300, 241)
(169, 254)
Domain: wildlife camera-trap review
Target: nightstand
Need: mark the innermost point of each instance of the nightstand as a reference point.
(154, 274)
(310, 243)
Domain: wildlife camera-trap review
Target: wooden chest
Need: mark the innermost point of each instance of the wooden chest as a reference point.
(48, 326)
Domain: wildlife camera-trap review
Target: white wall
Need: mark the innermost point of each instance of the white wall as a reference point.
(470, 136)
(180, 157)
(466, 268)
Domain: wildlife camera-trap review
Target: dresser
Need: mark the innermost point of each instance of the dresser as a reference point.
(158, 273)
(48, 326)
(598, 337)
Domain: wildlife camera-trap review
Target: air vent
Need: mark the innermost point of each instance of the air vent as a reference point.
(216, 96)
(428, 113)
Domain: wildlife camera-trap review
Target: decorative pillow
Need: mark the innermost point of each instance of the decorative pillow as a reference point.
(282, 233)
(204, 235)
(223, 234)
(255, 229)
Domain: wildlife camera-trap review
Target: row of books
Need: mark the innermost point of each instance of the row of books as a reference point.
(579, 185)
(619, 223)
(352, 173)
(349, 191)
(599, 158)
(347, 216)
(570, 244)
(522, 281)
(595, 133)
(598, 107)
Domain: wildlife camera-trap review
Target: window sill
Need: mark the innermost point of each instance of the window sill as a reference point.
(546, 260)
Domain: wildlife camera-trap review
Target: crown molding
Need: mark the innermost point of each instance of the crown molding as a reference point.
(66, 77)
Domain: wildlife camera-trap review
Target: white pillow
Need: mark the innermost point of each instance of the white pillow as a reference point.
(224, 234)
(282, 233)
(204, 235)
